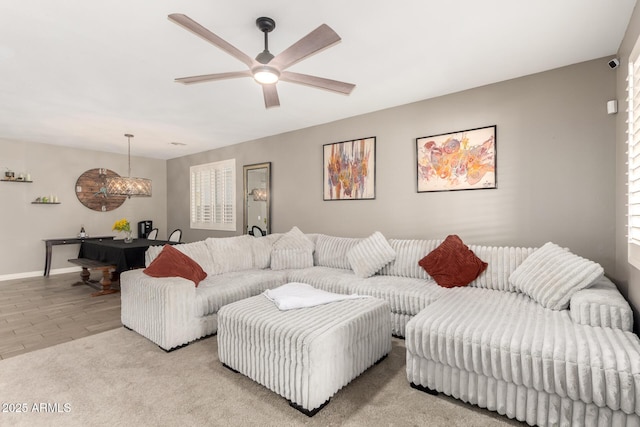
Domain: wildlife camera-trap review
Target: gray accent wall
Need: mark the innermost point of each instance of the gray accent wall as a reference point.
(555, 168)
(54, 171)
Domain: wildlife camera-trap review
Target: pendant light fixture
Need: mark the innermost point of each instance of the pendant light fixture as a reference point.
(121, 186)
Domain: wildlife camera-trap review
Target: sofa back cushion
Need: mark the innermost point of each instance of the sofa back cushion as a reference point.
(151, 253)
(408, 254)
(332, 251)
(231, 253)
(261, 248)
(502, 260)
(197, 251)
(171, 262)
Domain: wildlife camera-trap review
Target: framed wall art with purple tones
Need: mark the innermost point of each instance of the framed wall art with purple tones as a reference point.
(350, 170)
(464, 160)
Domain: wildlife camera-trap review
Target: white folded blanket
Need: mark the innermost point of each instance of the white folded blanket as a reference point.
(299, 295)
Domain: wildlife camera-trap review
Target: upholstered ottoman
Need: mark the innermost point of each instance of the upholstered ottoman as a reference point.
(305, 355)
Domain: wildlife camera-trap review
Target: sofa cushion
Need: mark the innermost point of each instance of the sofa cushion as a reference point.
(231, 253)
(261, 248)
(405, 295)
(292, 250)
(325, 278)
(502, 260)
(408, 254)
(370, 255)
(551, 275)
(332, 251)
(197, 251)
(453, 263)
(173, 263)
(216, 291)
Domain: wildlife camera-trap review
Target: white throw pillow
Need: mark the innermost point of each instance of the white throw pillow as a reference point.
(551, 275)
(293, 250)
(370, 255)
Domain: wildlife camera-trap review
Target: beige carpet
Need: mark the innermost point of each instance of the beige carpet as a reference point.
(118, 378)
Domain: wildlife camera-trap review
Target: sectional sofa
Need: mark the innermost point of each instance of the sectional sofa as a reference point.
(539, 334)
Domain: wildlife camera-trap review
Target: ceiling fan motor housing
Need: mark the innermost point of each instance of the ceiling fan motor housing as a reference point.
(266, 25)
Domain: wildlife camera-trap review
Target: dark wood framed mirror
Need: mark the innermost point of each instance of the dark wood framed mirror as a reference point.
(257, 199)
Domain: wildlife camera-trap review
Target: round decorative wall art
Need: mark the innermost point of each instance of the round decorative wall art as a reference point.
(91, 189)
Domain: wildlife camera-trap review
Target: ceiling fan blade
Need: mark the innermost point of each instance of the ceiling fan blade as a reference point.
(270, 96)
(319, 82)
(191, 25)
(211, 77)
(318, 39)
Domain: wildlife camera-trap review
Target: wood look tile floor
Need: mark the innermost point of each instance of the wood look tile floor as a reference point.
(40, 312)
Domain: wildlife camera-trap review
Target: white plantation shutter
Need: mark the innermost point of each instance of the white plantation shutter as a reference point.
(213, 195)
(633, 159)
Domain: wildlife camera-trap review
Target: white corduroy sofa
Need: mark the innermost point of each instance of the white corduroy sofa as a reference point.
(172, 312)
(489, 343)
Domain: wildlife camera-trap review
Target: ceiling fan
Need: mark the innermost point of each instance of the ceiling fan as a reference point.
(266, 68)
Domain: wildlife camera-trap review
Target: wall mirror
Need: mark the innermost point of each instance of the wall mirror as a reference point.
(257, 199)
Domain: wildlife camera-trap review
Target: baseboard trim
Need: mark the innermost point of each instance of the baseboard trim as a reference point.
(28, 274)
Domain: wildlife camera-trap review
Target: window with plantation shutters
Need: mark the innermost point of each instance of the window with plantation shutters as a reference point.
(633, 160)
(213, 196)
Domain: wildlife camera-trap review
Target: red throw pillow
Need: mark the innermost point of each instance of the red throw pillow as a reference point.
(453, 263)
(170, 262)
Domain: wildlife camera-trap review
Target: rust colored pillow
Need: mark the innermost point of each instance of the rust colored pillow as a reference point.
(170, 262)
(453, 263)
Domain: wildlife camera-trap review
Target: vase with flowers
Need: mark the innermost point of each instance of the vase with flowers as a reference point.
(123, 225)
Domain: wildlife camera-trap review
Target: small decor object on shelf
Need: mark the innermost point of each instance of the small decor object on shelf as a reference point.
(123, 225)
(82, 232)
(46, 200)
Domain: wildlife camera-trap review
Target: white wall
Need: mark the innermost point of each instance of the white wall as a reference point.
(555, 168)
(54, 170)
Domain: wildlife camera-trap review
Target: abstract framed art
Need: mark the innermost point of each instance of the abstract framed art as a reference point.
(464, 160)
(349, 170)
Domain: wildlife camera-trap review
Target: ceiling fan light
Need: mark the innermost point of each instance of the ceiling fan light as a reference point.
(266, 75)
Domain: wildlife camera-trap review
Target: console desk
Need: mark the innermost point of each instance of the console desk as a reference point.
(50, 243)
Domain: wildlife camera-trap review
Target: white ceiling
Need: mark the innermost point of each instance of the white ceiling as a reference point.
(82, 73)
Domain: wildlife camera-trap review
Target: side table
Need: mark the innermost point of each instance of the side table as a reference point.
(49, 243)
